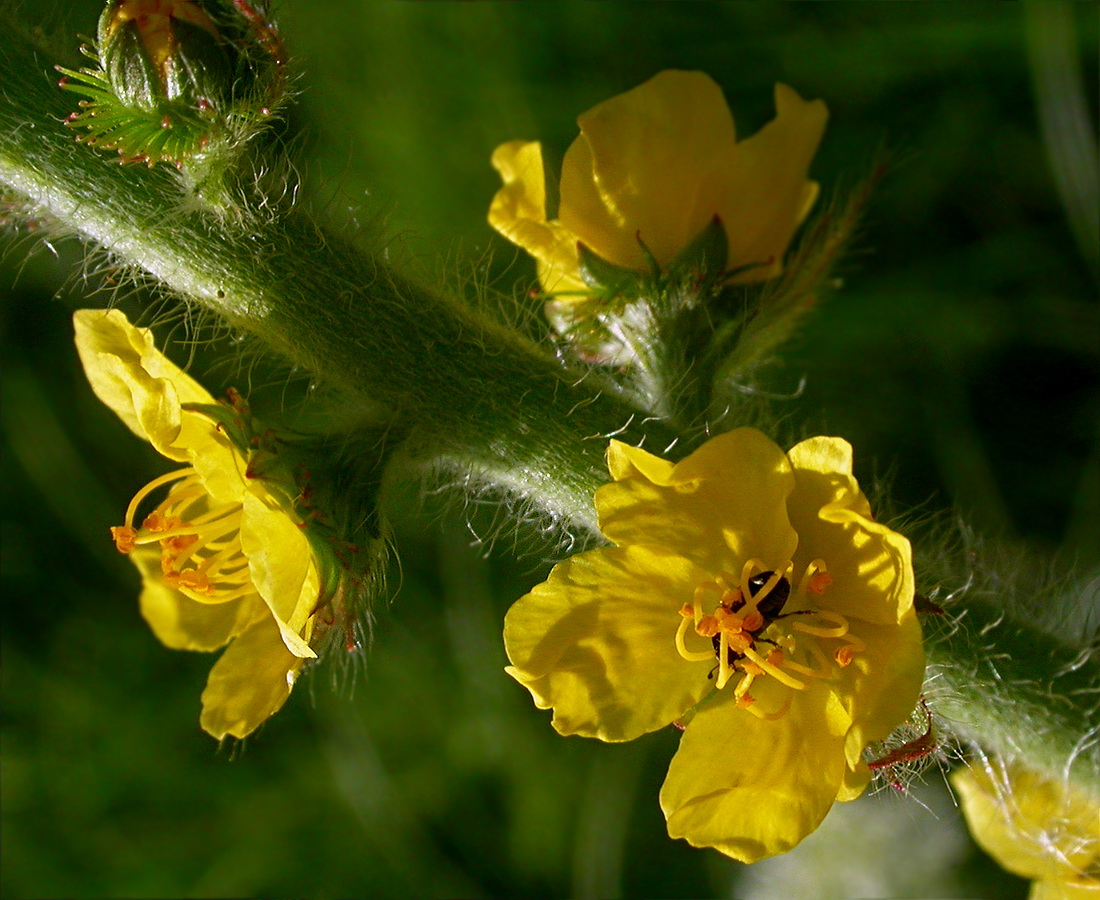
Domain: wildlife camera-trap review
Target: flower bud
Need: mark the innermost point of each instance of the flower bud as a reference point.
(177, 80)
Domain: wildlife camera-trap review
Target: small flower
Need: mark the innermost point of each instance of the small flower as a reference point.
(1034, 826)
(222, 557)
(653, 168)
(749, 594)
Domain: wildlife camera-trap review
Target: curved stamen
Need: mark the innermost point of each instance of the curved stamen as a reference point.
(215, 596)
(131, 510)
(755, 709)
(815, 569)
(179, 501)
(228, 526)
(681, 648)
(749, 614)
(776, 673)
(201, 555)
(725, 670)
(839, 630)
(823, 670)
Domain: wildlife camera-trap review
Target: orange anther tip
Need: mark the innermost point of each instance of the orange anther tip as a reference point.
(179, 543)
(819, 582)
(708, 627)
(124, 537)
(752, 668)
(844, 657)
(729, 621)
(753, 621)
(775, 658)
(733, 598)
(745, 701)
(687, 611)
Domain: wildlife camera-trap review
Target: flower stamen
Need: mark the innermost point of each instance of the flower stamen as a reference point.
(753, 606)
(201, 553)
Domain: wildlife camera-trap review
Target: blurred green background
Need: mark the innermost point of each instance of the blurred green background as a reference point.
(963, 355)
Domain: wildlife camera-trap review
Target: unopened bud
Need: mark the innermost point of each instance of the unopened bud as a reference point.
(177, 79)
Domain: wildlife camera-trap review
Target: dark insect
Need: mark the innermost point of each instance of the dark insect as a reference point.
(770, 608)
(772, 605)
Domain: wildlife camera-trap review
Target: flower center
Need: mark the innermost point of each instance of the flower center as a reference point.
(762, 628)
(200, 543)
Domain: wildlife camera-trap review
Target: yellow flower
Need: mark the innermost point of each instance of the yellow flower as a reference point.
(1034, 826)
(657, 164)
(751, 594)
(221, 558)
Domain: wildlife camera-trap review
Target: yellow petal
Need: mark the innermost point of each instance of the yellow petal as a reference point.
(185, 624)
(856, 779)
(596, 642)
(250, 682)
(1032, 825)
(220, 465)
(753, 788)
(882, 685)
(282, 568)
(871, 566)
(763, 193)
(644, 166)
(518, 211)
(128, 373)
(1060, 890)
(721, 506)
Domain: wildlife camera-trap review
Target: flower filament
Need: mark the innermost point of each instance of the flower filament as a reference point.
(200, 543)
(753, 605)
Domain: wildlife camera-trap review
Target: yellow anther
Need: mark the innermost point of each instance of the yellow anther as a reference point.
(687, 611)
(753, 621)
(739, 642)
(176, 545)
(751, 668)
(156, 523)
(124, 537)
(708, 626)
(729, 621)
(195, 581)
(733, 599)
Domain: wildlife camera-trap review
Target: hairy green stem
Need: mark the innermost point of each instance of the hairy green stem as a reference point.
(1005, 673)
(476, 397)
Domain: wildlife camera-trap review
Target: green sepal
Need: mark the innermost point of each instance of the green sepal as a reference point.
(703, 261)
(602, 276)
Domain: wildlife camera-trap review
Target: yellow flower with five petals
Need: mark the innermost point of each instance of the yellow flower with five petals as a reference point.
(655, 166)
(1034, 826)
(222, 558)
(749, 593)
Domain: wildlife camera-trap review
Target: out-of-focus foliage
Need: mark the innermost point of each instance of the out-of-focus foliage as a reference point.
(962, 351)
